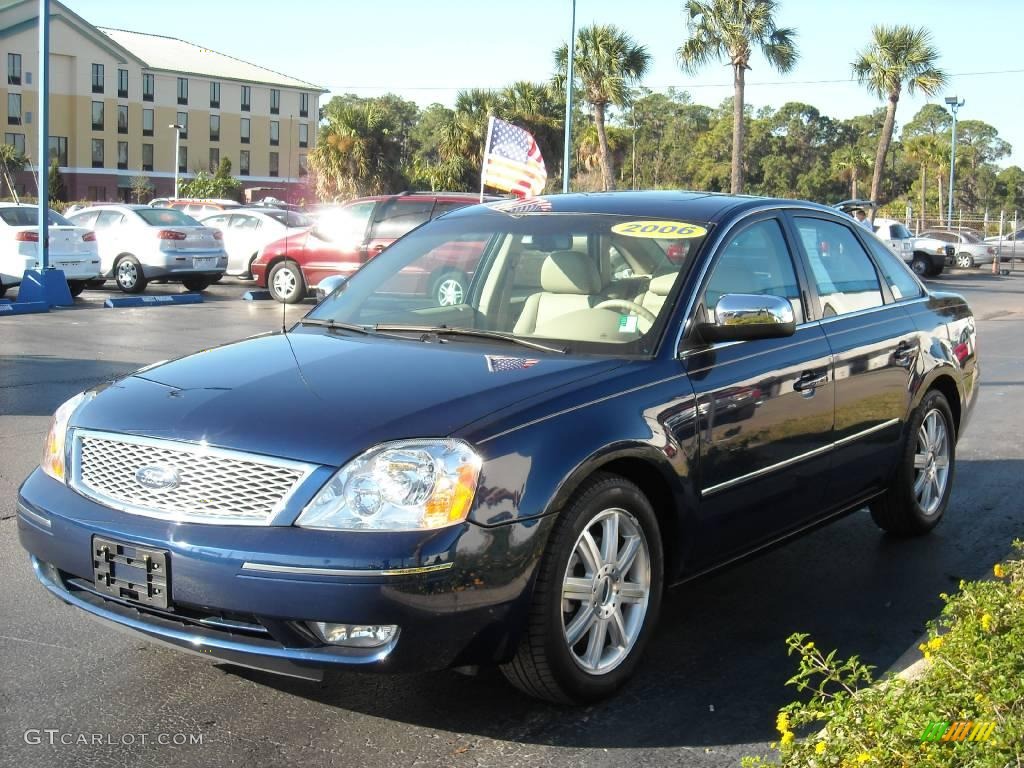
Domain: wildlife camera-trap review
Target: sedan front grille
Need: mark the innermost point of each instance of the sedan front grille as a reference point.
(182, 481)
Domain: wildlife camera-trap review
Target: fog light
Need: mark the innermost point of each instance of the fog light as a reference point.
(354, 635)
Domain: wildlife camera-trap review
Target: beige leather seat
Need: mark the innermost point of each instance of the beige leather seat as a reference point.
(653, 299)
(569, 281)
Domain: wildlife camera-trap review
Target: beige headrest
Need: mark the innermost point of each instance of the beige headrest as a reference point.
(570, 272)
(662, 286)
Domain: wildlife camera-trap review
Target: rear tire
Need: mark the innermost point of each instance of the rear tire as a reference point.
(919, 491)
(196, 284)
(448, 289)
(285, 282)
(129, 276)
(594, 605)
(965, 261)
(77, 286)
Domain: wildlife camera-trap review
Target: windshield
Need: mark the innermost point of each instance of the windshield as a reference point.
(589, 282)
(29, 217)
(166, 217)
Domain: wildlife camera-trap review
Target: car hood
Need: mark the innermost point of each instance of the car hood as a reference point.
(325, 397)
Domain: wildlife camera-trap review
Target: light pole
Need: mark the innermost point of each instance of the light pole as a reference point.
(568, 103)
(954, 105)
(177, 153)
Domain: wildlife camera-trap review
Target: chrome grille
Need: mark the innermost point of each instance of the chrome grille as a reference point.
(212, 485)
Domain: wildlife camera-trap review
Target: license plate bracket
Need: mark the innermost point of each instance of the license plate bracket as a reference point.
(130, 572)
(204, 262)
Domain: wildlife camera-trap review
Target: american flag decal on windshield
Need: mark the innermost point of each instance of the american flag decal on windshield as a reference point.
(499, 364)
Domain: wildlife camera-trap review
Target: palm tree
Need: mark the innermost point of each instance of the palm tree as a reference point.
(357, 153)
(730, 30)
(899, 58)
(607, 62)
(847, 163)
(12, 162)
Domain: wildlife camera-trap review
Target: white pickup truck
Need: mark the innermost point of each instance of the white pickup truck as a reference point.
(927, 256)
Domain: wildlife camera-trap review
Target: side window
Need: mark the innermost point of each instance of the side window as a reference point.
(756, 260)
(399, 217)
(216, 221)
(87, 220)
(108, 219)
(441, 208)
(245, 222)
(345, 226)
(845, 276)
(900, 279)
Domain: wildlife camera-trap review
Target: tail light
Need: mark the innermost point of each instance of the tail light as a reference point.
(170, 234)
(89, 237)
(218, 235)
(27, 236)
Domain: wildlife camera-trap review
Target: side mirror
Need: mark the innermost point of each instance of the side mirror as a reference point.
(329, 285)
(743, 316)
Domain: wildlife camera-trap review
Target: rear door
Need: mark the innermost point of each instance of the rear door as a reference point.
(336, 245)
(874, 344)
(764, 407)
(110, 238)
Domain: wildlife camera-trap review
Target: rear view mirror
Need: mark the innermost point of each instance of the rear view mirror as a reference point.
(743, 316)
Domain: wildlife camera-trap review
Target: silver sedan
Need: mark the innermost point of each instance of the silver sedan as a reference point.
(971, 250)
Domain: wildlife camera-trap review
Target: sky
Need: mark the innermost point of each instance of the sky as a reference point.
(426, 50)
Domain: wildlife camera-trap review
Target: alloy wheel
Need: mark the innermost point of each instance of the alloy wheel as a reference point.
(963, 261)
(127, 274)
(285, 282)
(605, 591)
(449, 292)
(931, 462)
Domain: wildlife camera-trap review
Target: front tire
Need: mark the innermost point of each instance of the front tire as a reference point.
(597, 596)
(129, 276)
(449, 288)
(919, 492)
(286, 283)
(920, 266)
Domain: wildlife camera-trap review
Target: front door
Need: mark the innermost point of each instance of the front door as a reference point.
(336, 245)
(765, 407)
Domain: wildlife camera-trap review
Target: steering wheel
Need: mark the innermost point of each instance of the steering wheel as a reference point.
(630, 306)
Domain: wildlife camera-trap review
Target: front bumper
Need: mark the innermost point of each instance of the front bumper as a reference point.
(458, 595)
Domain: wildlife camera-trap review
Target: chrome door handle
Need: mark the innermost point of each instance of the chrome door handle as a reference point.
(904, 354)
(809, 381)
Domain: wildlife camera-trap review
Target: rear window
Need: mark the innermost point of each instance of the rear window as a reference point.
(899, 232)
(166, 217)
(27, 217)
(289, 218)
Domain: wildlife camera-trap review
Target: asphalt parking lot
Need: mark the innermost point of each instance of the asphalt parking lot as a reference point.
(706, 695)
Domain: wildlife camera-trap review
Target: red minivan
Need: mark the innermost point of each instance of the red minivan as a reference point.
(347, 236)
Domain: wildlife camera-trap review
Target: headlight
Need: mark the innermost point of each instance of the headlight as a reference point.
(54, 452)
(405, 486)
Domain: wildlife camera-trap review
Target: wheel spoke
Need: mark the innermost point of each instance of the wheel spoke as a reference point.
(589, 552)
(576, 588)
(617, 629)
(581, 623)
(627, 555)
(595, 645)
(926, 500)
(941, 462)
(936, 488)
(610, 539)
(920, 460)
(932, 430)
(632, 593)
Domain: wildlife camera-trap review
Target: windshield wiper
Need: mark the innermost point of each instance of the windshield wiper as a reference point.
(444, 330)
(329, 323)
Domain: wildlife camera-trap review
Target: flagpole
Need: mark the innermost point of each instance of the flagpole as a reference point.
(483, 160)
(568, 104)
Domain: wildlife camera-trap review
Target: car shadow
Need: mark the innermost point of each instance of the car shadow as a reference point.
(35, 385)
(715, 671)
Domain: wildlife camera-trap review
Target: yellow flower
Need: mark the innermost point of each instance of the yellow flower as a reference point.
(986, 622)
(934, 644)
(864, 757)
(809, 647)
(782, 723)
(922, 647)
(787, 738)
(997, 569)
(819, 747)
(979, 697)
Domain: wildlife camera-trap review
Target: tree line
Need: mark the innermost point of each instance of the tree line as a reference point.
(627, 136)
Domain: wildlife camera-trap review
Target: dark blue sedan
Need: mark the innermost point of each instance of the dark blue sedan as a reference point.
(634, 389)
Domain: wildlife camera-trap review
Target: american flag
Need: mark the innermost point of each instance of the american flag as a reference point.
(512, 160)
(499, 364)
(523, 205)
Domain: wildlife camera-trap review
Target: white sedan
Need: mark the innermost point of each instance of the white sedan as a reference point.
(247, 230)
(72, 249)
(138, 244)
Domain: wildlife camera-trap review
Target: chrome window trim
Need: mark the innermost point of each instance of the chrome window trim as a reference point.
(795, 459)
(301, 570)
(304, 469)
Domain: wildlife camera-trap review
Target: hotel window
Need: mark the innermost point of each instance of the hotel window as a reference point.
(245, 130)
(303, 105)
(59, 150)
(274, 164)
(275, 133)
(183, 90)
(122, 155)
(183, 122)
(16, 140)
(215, 95)
(148, 87)
(122, 83)
(147, 122)
(97, 153)
(14, 69)
(14, 109)
(97, 115)
(275, 101)
(303, 165)
(147, 157)
(122, 118)
(303, 134)
(243, 163)
(97, 78)
(182, 159)
(214, 127)
(246, 98)
(214, 159)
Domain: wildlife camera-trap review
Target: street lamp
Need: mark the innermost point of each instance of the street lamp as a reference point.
(569, 76)
(177, 153)
(954, 105)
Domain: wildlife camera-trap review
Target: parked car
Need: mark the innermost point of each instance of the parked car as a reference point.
(138, 243)
(927, 256)
(345, 237)
(195, 207)
(970, 250)
(394, 485)
(72, 248)
(1012, 242)
(247, 230)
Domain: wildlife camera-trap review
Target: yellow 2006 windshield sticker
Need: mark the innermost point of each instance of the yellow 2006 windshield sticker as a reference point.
(660, 230)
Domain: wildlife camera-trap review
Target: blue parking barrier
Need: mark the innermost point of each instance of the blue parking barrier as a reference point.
(23, 307)
(50, 286)
(152, 301)
(256, 295)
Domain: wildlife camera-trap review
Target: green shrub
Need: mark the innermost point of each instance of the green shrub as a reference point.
(973, 671)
